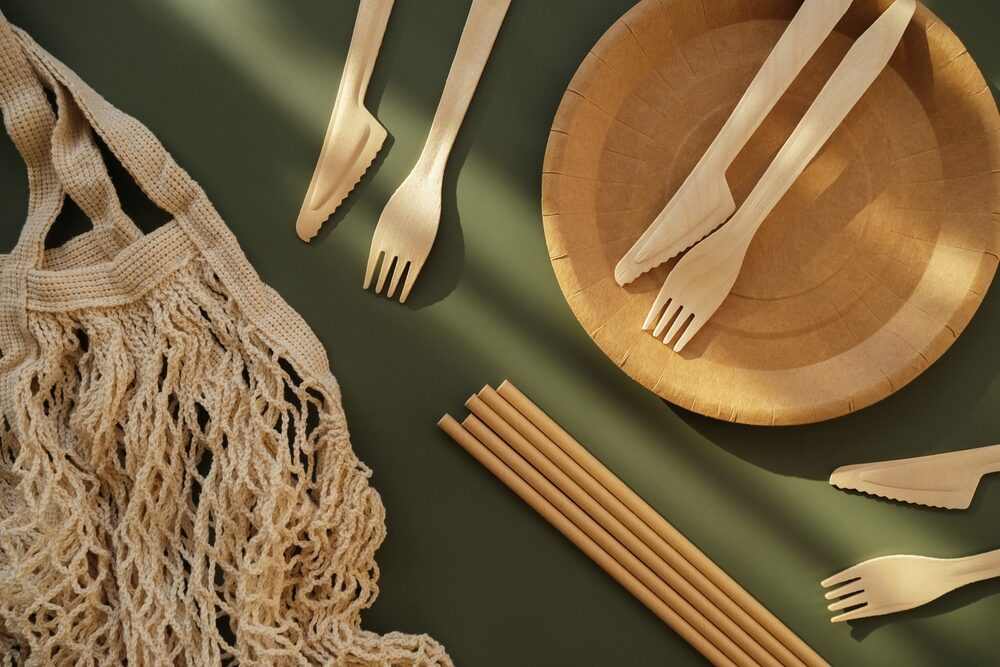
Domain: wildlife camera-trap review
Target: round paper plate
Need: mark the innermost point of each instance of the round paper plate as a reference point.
(865, 273)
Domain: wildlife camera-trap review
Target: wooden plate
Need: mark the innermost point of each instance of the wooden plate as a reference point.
(864, 274)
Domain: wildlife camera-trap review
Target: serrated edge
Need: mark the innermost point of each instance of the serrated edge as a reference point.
(313, 233)
(894, 498)
(693, 238)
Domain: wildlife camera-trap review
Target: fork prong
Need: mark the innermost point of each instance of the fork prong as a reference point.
(678, 325)
(654, 312)
(387, 264)
(842, 577)
(373, 256)
(672, 309)
(852, 601)
(847, 589)
(411, 277)
(860, 612)
(694, 327)
(396, 275)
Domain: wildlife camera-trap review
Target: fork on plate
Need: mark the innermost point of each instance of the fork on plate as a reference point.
(895, 583)
(701, 281)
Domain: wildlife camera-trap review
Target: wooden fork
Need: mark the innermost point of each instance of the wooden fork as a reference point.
(896, 583)
(409, 223)
(705, 201)
(702, 280)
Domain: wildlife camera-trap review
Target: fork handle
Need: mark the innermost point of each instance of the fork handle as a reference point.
(478, 37)
(977, 568)
(854, 76)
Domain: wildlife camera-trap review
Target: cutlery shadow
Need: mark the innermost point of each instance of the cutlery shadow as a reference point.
(388, 53)
(906, 424)
(357, 194)
(863, 628)
(446, 263)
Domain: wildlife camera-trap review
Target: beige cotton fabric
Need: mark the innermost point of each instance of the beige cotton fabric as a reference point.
(177, 484)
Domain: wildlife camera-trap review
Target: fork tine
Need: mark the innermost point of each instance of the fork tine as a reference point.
(396, 275)
(672, 309)
(654, 312)
(677, 326)
(847, 589)
(411, 277)
(842, 577)
(852, 601)
(387, 265)
(372, 263)
(860, 612)
(694, 327)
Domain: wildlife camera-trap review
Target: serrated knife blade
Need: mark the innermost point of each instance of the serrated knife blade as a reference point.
(947, 481)
(354, 137)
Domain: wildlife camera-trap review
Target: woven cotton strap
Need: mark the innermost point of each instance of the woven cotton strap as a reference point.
(30, 123)
(61, 157)
(165, 183)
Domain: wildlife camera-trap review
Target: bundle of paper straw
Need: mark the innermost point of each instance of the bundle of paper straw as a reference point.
(627, 538)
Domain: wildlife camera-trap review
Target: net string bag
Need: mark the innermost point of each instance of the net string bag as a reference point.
(177, 483)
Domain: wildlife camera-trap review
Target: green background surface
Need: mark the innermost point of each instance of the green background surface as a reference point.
(240, 91)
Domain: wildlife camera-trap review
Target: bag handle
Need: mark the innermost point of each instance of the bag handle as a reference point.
(54, 149)
(30, 123)
(174, 191)
(58, 149)
(156, 173)
(84, 176)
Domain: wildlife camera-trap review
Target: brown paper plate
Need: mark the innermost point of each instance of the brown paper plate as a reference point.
(865, 273)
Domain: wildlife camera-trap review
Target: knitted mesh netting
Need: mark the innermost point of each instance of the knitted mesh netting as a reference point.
(177, 484)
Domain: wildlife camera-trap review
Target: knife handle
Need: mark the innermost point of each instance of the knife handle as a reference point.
(809, 28)
(860, 67)
(986, 459)
(369, 30)
(474, 48)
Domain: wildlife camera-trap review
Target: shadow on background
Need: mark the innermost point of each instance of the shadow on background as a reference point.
(918, 419)
(388, 54)
(861, 629)
(907, 424)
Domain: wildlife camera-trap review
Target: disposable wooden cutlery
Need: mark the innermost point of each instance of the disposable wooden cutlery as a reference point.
(702, 280)
(585, 501)
(354, 137)
(947, 480)
(405, 233)
(895, 583)
(704, 201)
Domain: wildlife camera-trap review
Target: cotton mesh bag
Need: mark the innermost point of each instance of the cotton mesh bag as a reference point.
(177, 484)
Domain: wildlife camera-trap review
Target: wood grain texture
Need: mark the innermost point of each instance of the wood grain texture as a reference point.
(704, 201)
(948, 481)
(409, 224)
(354, 136)
(866, 271)
(891, 584)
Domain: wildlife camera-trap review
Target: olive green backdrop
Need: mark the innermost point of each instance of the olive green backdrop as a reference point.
(240, 91)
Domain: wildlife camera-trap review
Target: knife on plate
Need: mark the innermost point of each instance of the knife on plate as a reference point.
(947, 480)
(704, 201)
